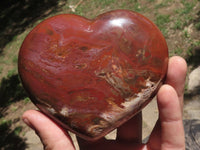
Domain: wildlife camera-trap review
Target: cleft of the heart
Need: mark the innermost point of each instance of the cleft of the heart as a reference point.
(90, 76)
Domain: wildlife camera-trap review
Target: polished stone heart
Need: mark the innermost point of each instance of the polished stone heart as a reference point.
(90, 76)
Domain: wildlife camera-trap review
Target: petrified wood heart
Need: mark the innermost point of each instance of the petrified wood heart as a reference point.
(90, 76)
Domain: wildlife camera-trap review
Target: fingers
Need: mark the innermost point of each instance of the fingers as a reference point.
(176, 74)
(50, 134)
(175, 79)
(168, 132)
(172, 132)
(131, 131)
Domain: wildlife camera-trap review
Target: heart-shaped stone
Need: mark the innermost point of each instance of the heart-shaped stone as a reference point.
(90, 76)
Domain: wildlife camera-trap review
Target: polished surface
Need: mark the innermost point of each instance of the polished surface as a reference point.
(90, 76)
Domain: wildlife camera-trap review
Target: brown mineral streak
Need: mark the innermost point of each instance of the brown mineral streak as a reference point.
(90, 76)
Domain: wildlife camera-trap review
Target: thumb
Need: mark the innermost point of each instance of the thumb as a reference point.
(51, 135)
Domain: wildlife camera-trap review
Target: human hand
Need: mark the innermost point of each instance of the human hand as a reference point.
(168, 132)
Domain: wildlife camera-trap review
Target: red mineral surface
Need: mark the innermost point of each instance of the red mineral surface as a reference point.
(90, 76)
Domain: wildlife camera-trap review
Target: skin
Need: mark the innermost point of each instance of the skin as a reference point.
(168, 133)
